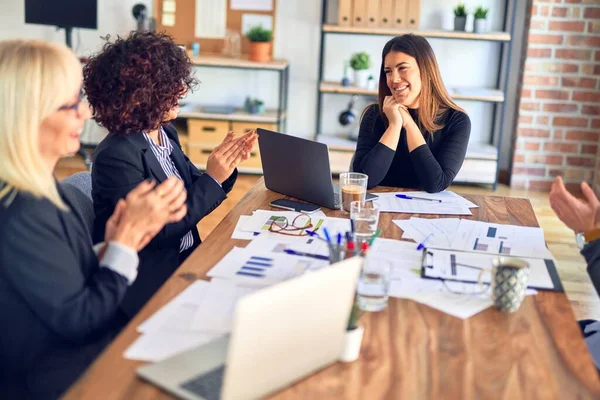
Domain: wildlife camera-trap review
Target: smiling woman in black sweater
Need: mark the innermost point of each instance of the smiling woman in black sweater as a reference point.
(416, 137)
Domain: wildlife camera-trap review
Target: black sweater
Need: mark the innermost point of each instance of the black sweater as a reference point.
(430, 167)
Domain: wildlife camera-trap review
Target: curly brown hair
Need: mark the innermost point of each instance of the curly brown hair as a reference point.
(134, 81)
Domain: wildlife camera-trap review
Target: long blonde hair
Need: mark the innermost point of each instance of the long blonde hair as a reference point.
(36, 78)
(434, 99)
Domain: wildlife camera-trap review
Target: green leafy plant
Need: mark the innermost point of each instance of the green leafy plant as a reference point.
(355, 315)
(481, 12)
(259, 34)
(360, 61)
(461, 10)
(254, 105)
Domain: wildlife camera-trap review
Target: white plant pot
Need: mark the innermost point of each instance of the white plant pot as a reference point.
(352, 344)
(361, 78)
(480, 25)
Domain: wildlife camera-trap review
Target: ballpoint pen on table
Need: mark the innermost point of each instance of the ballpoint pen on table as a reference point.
(424, 242)
(407, 197)
(303, 254)
(327, 237)
(314, 234)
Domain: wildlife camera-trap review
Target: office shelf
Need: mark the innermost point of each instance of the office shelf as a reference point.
(472, 94)
(215, 60)
(430, 33)
(268, 117)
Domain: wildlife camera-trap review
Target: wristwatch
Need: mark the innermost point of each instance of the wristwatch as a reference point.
(583, 238)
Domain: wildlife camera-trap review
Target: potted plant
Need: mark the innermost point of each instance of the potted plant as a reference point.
(354, 335)
(480, 24)
(261, 43)
(360, 63)
(254, 106)
(460, 17)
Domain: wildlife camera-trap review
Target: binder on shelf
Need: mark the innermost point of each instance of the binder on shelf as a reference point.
(359, 13)
(386, 14)
(413, 12)
(399, 15)
(345, 13)
(373, 9)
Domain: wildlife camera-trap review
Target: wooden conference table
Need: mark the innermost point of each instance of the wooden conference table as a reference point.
(410, 351)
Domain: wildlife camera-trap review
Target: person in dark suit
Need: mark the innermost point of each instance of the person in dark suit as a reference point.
(133, 87)
(59, 296)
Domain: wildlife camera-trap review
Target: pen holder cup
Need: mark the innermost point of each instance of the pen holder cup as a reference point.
(337, 253)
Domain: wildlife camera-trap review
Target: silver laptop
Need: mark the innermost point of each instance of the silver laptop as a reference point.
(280, 334)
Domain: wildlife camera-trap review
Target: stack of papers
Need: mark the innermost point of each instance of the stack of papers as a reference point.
(257, 267)
(198, 315)
(476, 236)
(448, 203)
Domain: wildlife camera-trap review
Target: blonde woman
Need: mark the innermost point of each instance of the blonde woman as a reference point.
(58, 296)
(416, 137)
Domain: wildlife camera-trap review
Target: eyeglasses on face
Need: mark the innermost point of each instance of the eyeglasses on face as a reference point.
(75, 105)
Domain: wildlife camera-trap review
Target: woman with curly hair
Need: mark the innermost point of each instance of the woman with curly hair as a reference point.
(133, 86)
(416, 137)
(59, 296)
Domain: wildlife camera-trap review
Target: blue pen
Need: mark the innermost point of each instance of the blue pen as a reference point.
(303, 254)
(352, 226)
(424, 242)
(339, 239)
(403, 196)
(326, 233)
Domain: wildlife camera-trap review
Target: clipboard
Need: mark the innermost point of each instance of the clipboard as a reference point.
(465, 267)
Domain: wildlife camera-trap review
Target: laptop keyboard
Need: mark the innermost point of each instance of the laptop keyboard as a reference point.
(207, 385)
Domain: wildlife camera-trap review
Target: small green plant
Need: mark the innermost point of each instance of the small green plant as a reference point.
(254, 105)
(259, 34)
(355, 315)
(481, 12)
(461, 10)
(360, 61)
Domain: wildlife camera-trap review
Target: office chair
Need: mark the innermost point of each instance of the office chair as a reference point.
(79, 186)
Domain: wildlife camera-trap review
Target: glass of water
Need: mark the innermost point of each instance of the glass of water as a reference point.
(365, 216)
(373, 285)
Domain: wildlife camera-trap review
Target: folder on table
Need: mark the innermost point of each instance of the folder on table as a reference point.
(386, 14)
(413, 12)
(373, 7)
(345, 13)
(399, 14)
(359, 13)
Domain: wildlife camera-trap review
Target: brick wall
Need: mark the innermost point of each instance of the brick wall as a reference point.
(558, 129)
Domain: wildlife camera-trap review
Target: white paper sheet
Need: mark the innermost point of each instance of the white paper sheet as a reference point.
(249, 21)
(215, 309)
(306, 244)
(433, 294)
(255, 267)
(445, 196)
(253, 5)
(508, 240)
(180, 307)
(461, 266)
(157, 346)
(168, 19)
(388, 202)
(238, 233)
(211, 19)
(443, 230)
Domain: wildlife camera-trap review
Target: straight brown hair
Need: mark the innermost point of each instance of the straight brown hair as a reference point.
(434, 99)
